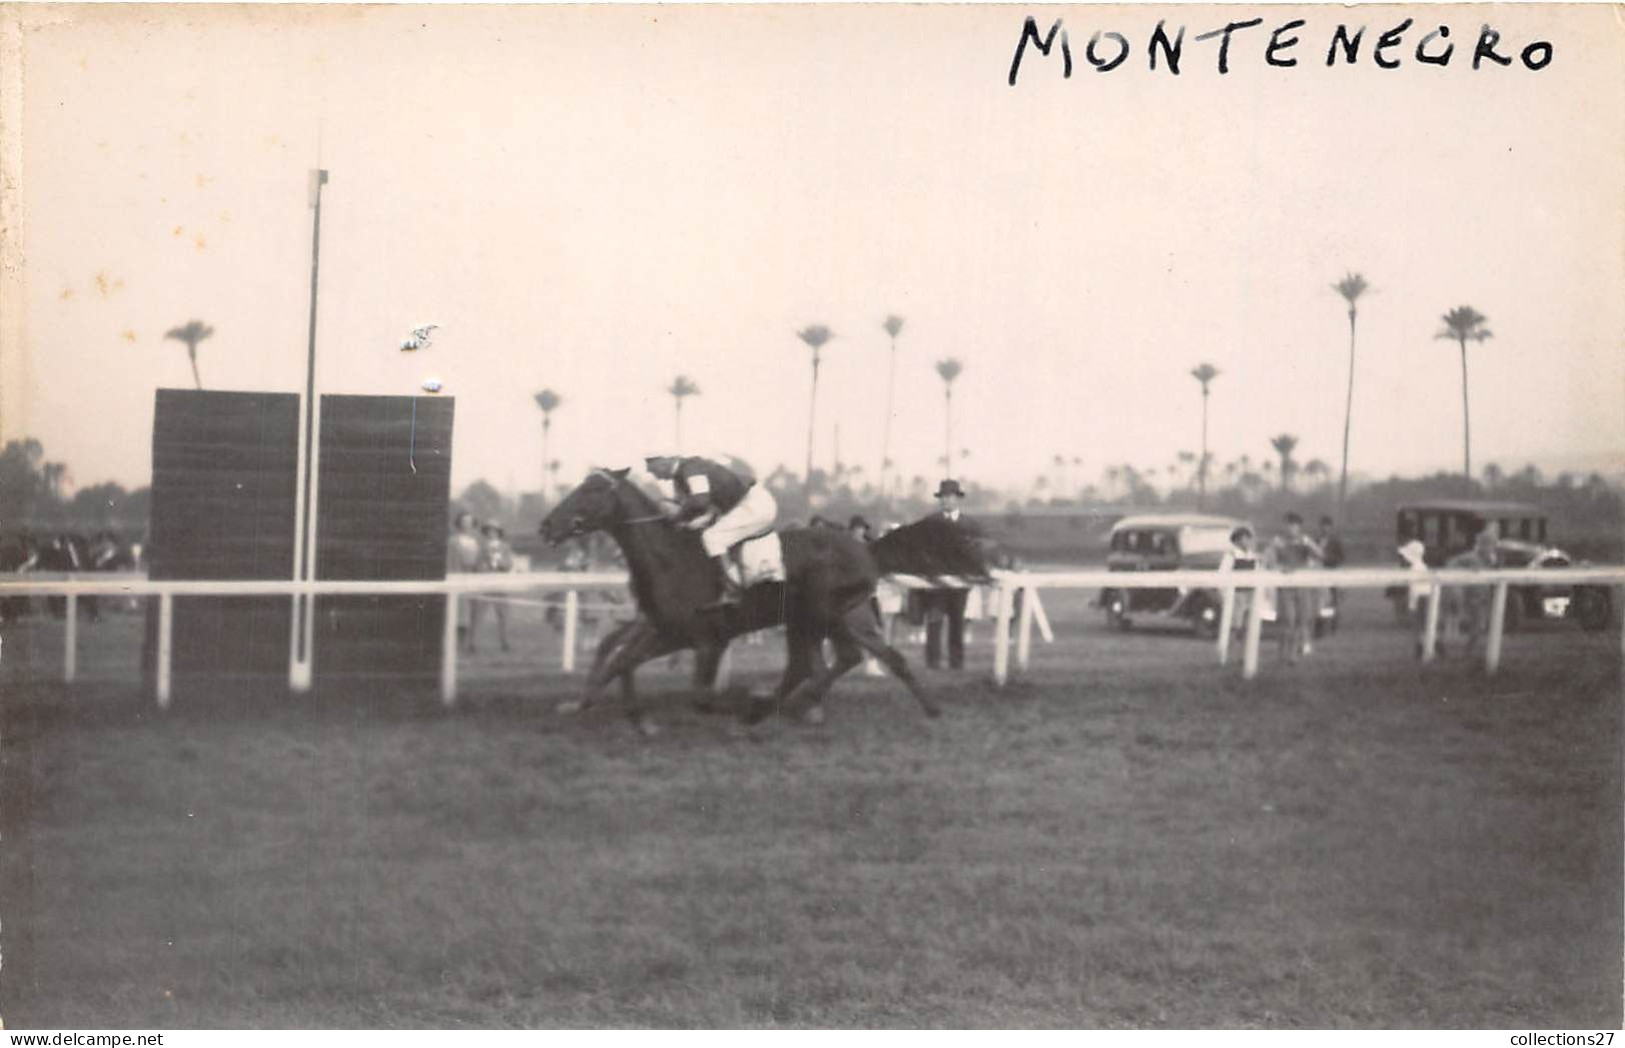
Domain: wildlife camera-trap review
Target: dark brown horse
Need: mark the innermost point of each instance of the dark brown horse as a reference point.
(829, 580)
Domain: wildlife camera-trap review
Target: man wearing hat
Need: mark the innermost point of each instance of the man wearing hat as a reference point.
(948, 605)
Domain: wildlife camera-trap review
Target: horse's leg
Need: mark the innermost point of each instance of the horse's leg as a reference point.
(707, 663)
(802, 653)
(613, 659)
(862, 627)
(806, 696)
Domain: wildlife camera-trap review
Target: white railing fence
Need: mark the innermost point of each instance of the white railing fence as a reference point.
(1005, 587)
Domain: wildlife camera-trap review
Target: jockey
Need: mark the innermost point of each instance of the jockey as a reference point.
(724, 502)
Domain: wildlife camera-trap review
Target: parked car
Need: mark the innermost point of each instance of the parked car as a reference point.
(1448, 527)
(1166, 542)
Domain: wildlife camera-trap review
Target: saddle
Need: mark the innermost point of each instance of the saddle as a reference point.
(760, 558)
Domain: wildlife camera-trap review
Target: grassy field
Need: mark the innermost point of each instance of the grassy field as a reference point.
(1128, 837)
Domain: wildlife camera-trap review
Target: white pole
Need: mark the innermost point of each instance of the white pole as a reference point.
(1430, 630)
(448, 653)
(1227, 621)
(166, 621)
(1024, 632)
(572, 615)
(1498, 618)
(298, 666)
(307, 671)
(1001, 636)
(70, 642)
(1255, 631)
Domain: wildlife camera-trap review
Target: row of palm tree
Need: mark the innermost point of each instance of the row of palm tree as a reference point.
(1463, 324)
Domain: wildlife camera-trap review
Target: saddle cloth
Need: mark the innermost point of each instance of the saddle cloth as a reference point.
(761, 559)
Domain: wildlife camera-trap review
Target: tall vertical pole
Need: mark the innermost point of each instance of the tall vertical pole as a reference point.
(1201, 467)
(299, 670)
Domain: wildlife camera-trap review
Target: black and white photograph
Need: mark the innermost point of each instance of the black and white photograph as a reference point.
(812, 516)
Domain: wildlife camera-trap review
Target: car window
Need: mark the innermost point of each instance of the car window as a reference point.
(1205, 540)
(1554, 560)
(1432, 530)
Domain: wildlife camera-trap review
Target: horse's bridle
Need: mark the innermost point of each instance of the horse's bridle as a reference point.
(614, 482)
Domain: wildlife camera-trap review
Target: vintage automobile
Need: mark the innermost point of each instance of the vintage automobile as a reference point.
(1448, 527)
(1166, 542)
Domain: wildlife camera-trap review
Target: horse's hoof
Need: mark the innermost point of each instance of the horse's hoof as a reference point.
(569, 707)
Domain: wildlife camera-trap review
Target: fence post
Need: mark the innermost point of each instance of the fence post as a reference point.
(298, 668)
(1255, 631)
(1001, 636)
(1498, 619)
(725, 671)
(572, 617)
(1227, 619)
(166, 622)
(1024, 637)
(70, 642)
(1430, 628)
(448, 653)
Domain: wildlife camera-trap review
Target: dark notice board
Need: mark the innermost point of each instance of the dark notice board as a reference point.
(383, 493)
(223, 496)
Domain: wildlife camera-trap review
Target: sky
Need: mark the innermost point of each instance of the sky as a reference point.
(593, 200)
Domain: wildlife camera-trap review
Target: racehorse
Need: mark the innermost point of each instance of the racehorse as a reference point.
(829, 580)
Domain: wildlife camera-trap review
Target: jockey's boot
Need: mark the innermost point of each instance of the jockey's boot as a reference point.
(731, 589)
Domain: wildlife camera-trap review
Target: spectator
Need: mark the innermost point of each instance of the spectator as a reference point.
(1295, 605)
(945, 609)
(1242, 556)
(463, 556)
(495, 556)
(1332, 557)
(1465, 611)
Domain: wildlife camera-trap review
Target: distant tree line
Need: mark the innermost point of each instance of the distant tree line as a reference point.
(31, 496)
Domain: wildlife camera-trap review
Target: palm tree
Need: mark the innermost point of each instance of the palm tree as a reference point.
(1284, 445)
(1317, 470)
(191, 333)
(815, 335)
(949, 369)
(1465, 323)
(548, 401)
(1493, 476)
(1351, 287)
(682, 386)
(1203, 373)
(893, 324)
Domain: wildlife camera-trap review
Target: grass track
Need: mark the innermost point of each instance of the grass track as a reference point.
(1127, 837)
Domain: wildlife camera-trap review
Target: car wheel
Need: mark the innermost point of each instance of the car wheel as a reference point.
(1205, 622)
(1592, 607)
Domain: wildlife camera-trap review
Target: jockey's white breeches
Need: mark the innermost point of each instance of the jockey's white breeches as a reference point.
(754, 515)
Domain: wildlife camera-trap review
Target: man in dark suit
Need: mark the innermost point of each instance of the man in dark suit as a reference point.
(947, 607)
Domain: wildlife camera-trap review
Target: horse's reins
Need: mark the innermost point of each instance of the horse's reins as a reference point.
(616, 481)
